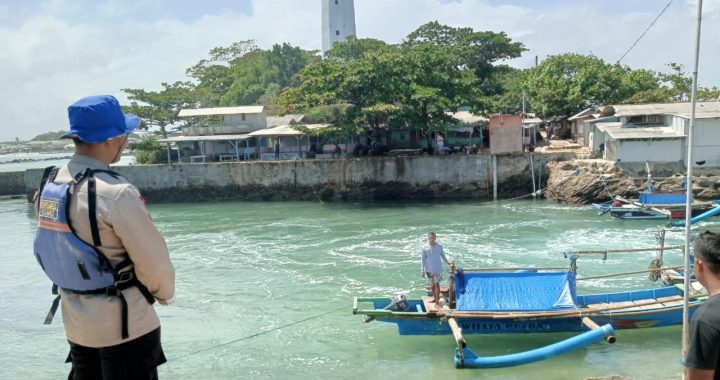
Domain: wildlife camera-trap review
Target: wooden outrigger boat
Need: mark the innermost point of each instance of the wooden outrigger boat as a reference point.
(655, 205)
(652, 206)
(531, 300)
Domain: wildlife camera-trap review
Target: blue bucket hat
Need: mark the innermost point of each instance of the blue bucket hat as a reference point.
(95, 119)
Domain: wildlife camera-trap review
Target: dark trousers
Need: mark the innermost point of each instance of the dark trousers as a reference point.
(137, 359)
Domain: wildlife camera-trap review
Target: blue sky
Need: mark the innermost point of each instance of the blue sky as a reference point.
(53, 52)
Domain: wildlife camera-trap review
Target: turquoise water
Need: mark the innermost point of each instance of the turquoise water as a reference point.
(264, 290)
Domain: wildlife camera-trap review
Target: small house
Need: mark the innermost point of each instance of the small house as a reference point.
(506, 133)
(658, 132)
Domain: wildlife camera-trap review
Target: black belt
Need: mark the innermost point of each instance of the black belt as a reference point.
(115, 290)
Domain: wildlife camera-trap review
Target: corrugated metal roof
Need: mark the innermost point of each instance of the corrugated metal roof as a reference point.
(649, 133)
(285, 130)
(584, 113)
(465, 117)
(665, 109)
(276, 121)
(603, 126)
(206, 138)
(220, 111)
(706, 115)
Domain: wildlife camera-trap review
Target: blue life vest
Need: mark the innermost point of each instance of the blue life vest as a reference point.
(70, 262)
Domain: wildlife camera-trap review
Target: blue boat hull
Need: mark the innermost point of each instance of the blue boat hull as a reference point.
(657, 316)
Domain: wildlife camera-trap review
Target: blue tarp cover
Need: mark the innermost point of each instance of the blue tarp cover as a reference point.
(661, 198)
(516, 291)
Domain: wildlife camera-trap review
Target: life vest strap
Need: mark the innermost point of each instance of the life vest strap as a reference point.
(53, 309)
(48, 175)
(92, 208)
(114, 291)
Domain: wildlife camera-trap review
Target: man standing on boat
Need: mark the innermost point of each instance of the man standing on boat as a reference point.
(431, 265)
(99, 246)
(703, 356)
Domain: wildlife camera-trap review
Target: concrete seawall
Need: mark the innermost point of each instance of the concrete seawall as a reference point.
(372, 178)
(12, 183)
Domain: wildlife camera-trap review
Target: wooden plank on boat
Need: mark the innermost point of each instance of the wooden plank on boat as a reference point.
(429, 305)
(673, 303)
(669, 299)
(624, 306)
(601, 306)
(457, 333)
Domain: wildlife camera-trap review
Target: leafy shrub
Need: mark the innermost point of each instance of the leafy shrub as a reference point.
(148, 150)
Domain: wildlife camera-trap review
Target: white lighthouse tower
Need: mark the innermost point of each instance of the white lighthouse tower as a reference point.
(338, 21)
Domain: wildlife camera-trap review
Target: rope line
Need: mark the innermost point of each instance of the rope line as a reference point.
(258, 334)
(606, 188)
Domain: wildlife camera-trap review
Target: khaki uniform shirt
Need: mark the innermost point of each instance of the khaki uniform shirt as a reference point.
(125, 229)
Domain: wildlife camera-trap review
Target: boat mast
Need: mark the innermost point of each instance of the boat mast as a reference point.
(689, 199)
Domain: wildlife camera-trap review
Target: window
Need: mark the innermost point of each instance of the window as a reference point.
(242, 116)
(337, 32)
(635, 119)
(336, 2)
(646, 119)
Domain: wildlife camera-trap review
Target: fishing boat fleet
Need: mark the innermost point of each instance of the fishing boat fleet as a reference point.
(666, 205)
(521, 300)
(497, 301)
(657, 205)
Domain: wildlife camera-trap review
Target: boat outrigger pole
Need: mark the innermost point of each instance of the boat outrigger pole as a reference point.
(466, 358)
(688, 204)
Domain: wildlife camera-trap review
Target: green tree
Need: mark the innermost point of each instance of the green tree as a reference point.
(436, 82)
(355, 48)
(213, 75)
(318, 86)
(708, 93)
(160, 108)
(674, 86)
(243, 73)
(568, 83)
(410, 85)
(147, 150)
(478, 51)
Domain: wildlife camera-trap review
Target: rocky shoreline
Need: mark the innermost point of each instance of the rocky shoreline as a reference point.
(585, 181)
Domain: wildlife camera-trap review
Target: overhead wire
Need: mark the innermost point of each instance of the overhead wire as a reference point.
(258, 334)
(646, 30)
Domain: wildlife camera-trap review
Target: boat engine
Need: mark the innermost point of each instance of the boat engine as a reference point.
(397, 303)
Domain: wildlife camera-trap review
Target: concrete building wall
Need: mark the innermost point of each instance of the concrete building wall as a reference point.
(706, 136)
(338, 22)
(505, 134)
(253, 120)
(664, 150)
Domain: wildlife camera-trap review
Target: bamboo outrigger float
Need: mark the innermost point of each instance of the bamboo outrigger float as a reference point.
(496, 301)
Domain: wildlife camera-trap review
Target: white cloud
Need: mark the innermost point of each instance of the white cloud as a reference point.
(52, 56)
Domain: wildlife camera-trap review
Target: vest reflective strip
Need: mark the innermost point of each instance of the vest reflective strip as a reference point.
(54, 226)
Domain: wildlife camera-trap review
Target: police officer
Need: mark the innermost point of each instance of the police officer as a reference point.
(703, 355)
(98, 244)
